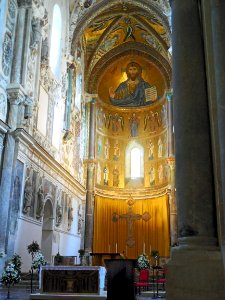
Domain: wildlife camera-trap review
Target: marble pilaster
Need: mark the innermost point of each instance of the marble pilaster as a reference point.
(16, 96)
(16, 74)
(169, 97)
(89, 216)
(172, 202)
(197, 253)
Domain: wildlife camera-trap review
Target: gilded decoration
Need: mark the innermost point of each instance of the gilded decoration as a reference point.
(120, 128)
(146, 127)
(115, 74)
(114, 35)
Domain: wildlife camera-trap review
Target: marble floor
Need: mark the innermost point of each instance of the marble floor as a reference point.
(24, 294)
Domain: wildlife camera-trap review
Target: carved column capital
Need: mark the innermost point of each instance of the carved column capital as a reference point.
(16, 94)
(90, 97)
(169, 95)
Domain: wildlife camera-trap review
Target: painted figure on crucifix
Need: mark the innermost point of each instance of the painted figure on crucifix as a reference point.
(135, 91)
(131, 217)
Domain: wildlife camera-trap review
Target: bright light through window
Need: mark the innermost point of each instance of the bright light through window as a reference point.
(135, 163)
(55, 46)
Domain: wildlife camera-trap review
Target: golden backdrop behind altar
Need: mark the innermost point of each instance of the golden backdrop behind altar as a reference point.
(114, 233)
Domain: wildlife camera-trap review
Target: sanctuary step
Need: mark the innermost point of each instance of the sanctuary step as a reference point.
(102, 296)
(152, 295)
(25, 282)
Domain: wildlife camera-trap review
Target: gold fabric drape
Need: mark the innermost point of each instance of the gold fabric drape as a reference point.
(110, 236)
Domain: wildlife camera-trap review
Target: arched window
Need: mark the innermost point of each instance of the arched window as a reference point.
(135, 163)
(55, 46)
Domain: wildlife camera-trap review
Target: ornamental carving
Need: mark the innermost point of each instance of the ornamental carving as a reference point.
(30, 76)
(7, 54)
(38, 9)
(3, 105)
(12, 9)
(35, 34)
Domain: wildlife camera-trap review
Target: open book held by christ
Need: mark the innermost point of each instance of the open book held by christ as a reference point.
(151, 94)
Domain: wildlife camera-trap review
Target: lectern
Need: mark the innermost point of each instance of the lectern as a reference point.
(120, 279)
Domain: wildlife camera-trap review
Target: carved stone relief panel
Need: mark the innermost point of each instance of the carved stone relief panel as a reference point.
(16, 195)
(7, 54)
(3, 104)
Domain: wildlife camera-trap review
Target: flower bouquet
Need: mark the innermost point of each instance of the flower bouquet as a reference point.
(143, 262)
(10, 276)
(38, 261)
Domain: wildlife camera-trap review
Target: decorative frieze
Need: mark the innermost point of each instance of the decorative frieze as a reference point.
(7, 54)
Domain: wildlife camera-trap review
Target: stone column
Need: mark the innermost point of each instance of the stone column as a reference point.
(218, 44)
(16, 74)
(3, 130)
(16, 95)
(89, 216)
(197, 260)
(169, 97)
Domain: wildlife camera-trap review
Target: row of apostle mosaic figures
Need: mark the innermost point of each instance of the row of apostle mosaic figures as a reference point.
(161, 174)
(153, 121)
(116, 148)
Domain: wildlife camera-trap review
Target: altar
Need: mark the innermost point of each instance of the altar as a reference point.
(98, 258)
(72, 282)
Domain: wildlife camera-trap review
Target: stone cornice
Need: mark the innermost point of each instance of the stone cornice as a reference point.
(23, 137)
(145, 193)
(3, 127)
(16, 94)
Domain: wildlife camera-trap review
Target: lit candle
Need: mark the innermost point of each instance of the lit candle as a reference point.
(116, 247)
(144, 248)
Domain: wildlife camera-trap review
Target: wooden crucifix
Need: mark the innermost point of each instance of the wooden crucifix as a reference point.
(131, 217)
